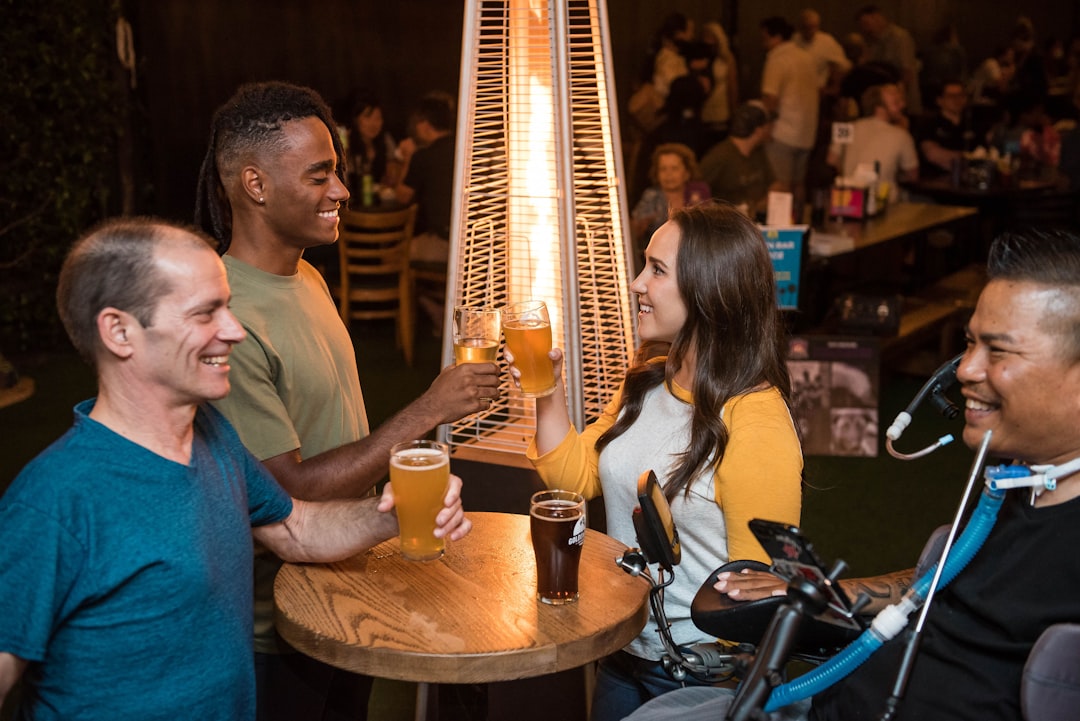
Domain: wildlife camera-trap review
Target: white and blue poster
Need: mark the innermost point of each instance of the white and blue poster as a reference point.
(786, 251)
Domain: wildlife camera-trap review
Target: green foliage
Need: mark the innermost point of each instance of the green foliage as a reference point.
(60, 108)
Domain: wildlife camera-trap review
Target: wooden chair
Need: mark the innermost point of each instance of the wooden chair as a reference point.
(430, 275)
(373, 249)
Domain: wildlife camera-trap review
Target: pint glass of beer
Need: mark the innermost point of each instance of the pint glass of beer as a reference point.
(528, 335)
(420, 477)
(476, 334)
(557, 525)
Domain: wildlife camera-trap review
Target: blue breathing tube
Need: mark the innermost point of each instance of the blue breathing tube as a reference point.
(892, 620)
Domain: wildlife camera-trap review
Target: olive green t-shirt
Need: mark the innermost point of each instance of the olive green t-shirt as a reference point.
(294, 385)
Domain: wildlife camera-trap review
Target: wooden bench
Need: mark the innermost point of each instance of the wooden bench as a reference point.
(962, 287)
(937, 311)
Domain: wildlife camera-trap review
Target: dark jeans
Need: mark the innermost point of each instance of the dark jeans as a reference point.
(295, 687)
(624, 682)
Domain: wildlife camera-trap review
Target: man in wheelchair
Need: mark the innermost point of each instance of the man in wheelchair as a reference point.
(1020, 378)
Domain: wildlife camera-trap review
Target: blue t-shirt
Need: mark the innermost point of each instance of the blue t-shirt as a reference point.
(125, 578)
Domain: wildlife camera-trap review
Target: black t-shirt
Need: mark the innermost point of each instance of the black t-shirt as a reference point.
(431, 176)
(945, 133)
(980, 629)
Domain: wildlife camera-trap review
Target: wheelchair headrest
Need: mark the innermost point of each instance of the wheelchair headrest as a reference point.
(1050, 689)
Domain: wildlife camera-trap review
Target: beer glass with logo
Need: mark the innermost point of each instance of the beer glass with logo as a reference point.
(420, 476)
(528, 335)
(476, 334)
(557, 525)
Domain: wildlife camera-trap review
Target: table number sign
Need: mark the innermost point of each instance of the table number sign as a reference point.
(843, 133)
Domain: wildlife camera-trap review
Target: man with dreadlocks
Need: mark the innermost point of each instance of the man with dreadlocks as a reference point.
(270, 187)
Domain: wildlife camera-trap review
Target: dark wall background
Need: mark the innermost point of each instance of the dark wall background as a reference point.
(194, 53)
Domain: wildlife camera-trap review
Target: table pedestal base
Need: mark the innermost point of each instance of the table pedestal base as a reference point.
(427, 702)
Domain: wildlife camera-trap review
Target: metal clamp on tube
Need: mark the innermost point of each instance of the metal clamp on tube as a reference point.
(1038, 478)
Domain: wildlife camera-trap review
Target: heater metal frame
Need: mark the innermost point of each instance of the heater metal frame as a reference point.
(595, 319)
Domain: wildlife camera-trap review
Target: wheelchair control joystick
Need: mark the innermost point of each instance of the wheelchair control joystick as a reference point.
(805, 598)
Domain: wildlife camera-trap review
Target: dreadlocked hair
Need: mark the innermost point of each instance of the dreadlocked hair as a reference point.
(251, 121)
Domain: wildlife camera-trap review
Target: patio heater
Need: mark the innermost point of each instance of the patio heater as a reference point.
(539, 211)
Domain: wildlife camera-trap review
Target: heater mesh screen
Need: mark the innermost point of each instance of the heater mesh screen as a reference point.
(540, 212)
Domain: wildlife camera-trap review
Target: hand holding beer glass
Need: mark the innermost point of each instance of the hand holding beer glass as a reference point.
(420, 478)
(557, 526)
(528, 336)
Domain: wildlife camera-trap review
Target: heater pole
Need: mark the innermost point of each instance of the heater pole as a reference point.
(564, 162)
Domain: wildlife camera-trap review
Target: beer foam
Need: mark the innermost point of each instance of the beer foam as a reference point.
(555, 510)
(419, 458)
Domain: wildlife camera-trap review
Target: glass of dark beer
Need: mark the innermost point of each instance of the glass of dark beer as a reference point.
(557, 523)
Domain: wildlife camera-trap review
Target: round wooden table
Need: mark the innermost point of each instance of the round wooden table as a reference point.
(469, 617)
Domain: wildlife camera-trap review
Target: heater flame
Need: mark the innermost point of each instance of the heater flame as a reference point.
(539, 209)
(533, 214)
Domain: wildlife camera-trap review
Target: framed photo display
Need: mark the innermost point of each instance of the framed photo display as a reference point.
(835, 387)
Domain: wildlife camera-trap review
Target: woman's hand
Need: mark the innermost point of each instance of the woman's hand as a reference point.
(552, 417)
(556, 356)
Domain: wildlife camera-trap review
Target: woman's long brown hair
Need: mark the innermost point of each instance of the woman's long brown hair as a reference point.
(733, 327)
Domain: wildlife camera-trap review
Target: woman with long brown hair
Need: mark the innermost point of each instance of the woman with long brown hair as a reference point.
(710, 418)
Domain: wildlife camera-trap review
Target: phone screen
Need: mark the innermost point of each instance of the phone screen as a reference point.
(793, 557)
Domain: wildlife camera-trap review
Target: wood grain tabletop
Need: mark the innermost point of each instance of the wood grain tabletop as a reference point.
(469, 617)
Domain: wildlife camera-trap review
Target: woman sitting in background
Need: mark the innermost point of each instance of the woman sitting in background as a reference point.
(675, 184)
(371, 147)
(711, 419)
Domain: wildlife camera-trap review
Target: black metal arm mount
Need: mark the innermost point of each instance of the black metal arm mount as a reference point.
(708, 662)
(805, 599)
